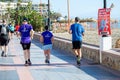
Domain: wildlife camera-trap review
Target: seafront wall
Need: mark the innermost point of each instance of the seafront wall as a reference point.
(110, 58)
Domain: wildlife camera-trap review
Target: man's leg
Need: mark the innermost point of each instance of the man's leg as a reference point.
(2, 48)
(75, 52)
(48, 55)
(45, 53)
(79, 53)
(25, 53)
(6, 51)
(79, 56)
(28, 55)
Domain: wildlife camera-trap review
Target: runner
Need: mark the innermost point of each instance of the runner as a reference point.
(46, 39)
(26, 33)
(77, 32)
(16, 30)
(4, 38)
(11, 28)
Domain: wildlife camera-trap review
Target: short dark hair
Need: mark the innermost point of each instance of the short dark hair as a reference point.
(46, 27)
(3, 21)
(77, 19)
(25, 19)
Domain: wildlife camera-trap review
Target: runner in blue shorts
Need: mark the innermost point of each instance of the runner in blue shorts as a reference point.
(46, 39)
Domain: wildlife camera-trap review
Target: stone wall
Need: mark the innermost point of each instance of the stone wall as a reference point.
(117, 45)
(91, 53)
(36, 36)
(110, 58)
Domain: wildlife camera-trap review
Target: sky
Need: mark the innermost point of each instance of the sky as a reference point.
(82, 8)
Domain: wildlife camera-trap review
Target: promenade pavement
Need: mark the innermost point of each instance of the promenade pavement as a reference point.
(62, 67)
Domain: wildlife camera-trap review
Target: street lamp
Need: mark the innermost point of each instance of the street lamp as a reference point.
(49, 14)
(68, 9)
(104, 6)
(104, 2)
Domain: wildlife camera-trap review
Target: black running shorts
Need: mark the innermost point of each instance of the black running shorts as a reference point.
(4, 40)
(77, 44)
(26, 45)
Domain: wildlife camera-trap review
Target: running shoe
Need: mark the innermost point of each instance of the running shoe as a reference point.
(26, 63)
(47, 61)
(2, 54)
(5, 55)
(78, 61)
(29, 62)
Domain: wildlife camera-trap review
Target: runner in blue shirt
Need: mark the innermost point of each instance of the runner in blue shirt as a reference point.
(26, 32)
(77, 32)
(46, 39)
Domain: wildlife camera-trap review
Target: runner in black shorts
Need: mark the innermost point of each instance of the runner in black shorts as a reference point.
(4, 38)
(26, 33)
(77, 32)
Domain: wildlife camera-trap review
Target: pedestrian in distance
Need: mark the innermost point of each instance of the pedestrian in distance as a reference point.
(4, 38)
(47, 39)
(26, 32)
(77, 31)
(11, 28)
(17, 26)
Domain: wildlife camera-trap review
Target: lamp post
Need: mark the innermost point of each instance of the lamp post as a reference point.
(104, 2)
(105, 39)
(49, 14)
(104, 6)
(68, 9)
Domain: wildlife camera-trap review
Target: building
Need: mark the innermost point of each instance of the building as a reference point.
(5, 5)
(12, 5)
(41, 8)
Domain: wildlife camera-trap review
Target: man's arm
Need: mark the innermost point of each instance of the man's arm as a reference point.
(19, 34)
(70, 31)
(52, 39)
(41, 38)
(32, 33)
(82, 34)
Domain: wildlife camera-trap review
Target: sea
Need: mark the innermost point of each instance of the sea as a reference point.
(94, 25)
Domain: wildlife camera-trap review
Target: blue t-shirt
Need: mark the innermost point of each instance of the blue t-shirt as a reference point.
(25, 33)
(77, 30)
(11, 28)
(47, 35)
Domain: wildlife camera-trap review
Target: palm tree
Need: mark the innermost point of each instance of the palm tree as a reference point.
(29, 7)
(8, 10)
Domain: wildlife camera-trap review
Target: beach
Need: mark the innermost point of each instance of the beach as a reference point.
(91, 36)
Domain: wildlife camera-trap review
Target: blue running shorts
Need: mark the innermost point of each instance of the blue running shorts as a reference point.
(46, 47)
